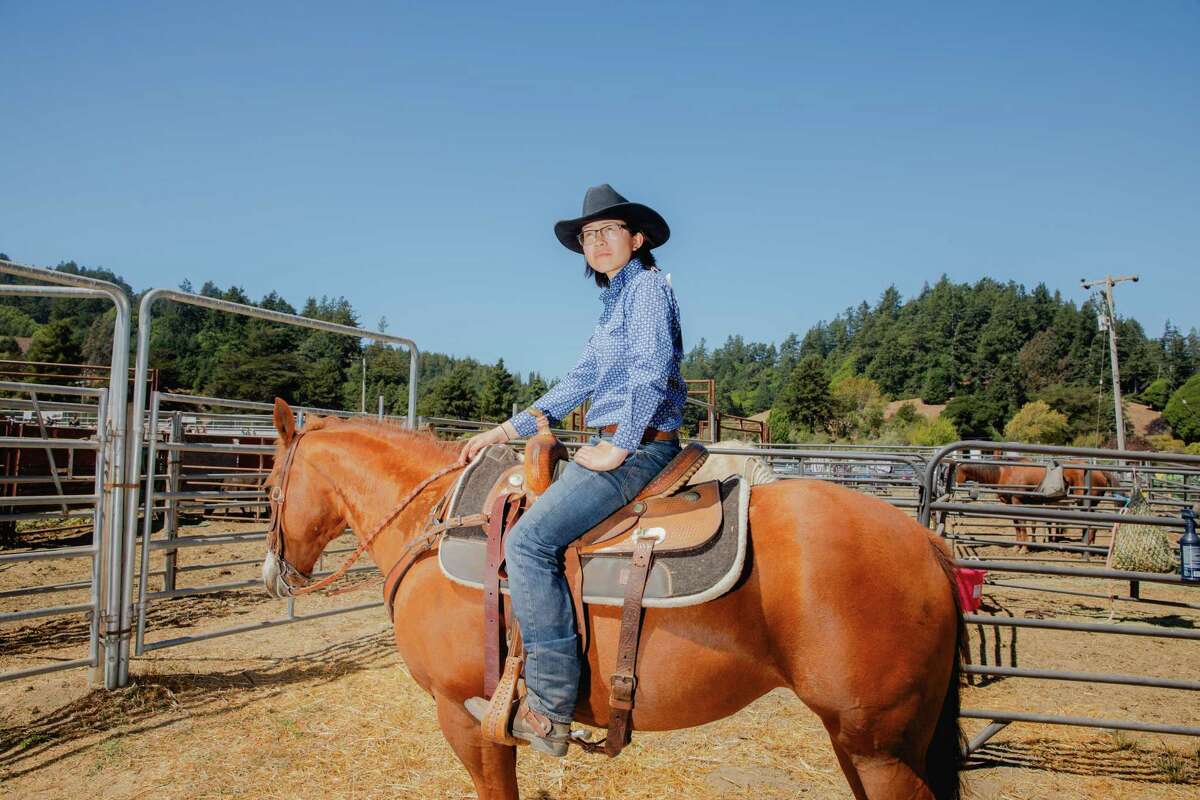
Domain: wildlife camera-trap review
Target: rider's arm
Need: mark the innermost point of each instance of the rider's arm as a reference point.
(564, 396)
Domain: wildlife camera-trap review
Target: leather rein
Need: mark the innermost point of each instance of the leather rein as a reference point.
(275, 534)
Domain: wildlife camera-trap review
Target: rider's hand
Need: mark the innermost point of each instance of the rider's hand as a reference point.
(601, 457)
(497, 435)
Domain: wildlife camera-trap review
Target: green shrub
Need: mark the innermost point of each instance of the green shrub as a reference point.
(1156, 394)
(1165, 443)
(905, 415)
(1183, 410)
(933, 432)
(976, 416)
(1038, 423)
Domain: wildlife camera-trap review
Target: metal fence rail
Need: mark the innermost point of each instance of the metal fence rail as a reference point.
(61, 505)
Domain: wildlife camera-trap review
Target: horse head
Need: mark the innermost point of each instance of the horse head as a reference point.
(306, 512)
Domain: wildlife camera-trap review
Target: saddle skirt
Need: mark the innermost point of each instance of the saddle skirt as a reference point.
(700, 554)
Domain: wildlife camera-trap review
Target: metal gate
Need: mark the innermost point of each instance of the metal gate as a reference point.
(128, 569)
(214, 463)
(1047, 561)
(110, 483)
(56, 475)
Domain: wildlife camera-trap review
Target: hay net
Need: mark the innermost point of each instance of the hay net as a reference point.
(1141, 548)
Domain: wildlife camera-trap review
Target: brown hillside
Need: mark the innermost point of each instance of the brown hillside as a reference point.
(1141, 417)
(927, 410)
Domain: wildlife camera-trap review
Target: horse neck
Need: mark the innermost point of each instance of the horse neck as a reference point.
(980, 473)
(373, 472)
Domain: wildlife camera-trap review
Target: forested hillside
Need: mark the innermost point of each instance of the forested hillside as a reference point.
(986, 350)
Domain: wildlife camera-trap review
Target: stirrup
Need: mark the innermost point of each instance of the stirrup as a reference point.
(497, 720)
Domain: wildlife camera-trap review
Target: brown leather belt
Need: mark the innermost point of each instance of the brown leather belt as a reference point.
(651, 434)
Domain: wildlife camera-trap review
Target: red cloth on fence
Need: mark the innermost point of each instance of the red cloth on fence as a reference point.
(969, 583)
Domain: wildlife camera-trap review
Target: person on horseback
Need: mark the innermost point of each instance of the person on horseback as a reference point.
(630, 371)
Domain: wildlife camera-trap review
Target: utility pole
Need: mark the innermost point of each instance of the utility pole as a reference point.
(1108, 282)
(363, 402)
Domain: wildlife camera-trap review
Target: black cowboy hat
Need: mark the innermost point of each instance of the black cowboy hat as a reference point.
(603, 202)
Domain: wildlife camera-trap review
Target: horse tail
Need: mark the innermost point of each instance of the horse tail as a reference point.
(945, 756)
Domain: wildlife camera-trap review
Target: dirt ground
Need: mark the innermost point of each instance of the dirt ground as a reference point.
(326, 709)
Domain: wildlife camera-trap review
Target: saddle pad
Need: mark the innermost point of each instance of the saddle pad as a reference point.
(475, 483)
(676, 579)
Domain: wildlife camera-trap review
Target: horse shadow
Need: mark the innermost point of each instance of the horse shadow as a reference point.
(153, 701)
(1001, 641)
(1112, 756)
(180, 612)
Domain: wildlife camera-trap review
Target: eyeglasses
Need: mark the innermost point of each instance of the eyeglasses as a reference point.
(610, 233)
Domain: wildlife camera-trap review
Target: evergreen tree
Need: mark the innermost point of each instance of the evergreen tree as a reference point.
(1177, 362)
(14, 322)
(806, 400)
(452, 395)
(56, 342)
(532, 390)
(497, 393)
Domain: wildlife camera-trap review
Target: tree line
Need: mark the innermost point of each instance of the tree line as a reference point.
(986, 349)
(200, 351)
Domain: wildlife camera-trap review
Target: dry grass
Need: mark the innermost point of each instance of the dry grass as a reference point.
(344, 720)
(325, 709)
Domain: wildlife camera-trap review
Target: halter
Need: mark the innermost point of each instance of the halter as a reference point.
(288, 574)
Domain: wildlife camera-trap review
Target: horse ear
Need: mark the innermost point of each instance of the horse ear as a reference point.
(285, 421)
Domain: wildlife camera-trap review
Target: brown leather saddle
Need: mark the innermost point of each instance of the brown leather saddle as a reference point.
(661, 520)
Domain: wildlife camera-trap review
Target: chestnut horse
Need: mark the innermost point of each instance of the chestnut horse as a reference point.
(1025, 477)
(844, 599)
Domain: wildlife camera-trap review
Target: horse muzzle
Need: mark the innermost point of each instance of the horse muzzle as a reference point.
(278, 576)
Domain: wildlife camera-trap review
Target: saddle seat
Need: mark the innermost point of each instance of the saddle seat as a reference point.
(681, 520)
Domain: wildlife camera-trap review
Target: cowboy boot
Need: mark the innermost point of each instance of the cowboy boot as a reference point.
(543, 734)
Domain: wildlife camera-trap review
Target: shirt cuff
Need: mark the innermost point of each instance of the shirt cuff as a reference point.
(525, 424)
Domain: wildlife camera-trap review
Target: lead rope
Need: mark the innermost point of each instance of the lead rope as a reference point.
(362, 547)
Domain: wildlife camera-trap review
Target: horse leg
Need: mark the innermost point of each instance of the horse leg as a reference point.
(493, 767)
(886, 777)
(848, 768)
(1019, 525)
(881, 751)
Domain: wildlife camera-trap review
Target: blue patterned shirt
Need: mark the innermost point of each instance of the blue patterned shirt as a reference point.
(630, 366)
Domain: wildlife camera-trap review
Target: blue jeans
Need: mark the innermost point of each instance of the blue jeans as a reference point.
(575, 502)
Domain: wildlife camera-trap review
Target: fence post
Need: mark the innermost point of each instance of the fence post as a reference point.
(171, 518)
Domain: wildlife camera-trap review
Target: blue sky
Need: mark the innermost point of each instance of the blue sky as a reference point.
(415, 157)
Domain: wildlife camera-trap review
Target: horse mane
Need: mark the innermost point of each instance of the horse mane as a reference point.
(421, 440)
(425, 443)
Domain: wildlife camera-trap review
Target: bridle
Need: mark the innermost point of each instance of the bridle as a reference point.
(290, 581)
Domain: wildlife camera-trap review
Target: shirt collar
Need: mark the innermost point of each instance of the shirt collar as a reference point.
(616, 284)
